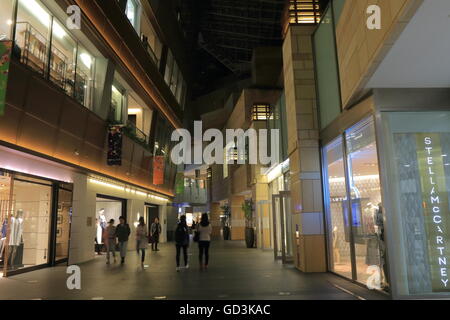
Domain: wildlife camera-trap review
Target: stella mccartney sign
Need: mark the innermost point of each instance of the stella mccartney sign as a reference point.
(435, 208)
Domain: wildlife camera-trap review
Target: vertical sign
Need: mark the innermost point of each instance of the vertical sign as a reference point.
(115, 146)
(5, 58)
(158, 170)
(179, 183)
(435, 208)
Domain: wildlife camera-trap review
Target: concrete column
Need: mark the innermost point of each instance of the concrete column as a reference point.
(260, 196)
(237, 218)
(304, 153)
(83, 222)
(215, 219)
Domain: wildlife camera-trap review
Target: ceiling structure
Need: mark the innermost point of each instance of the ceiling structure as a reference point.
(225, 32)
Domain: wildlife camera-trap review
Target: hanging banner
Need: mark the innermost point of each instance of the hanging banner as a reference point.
(5, 58)
(115, 146)
(435, 208)
(158, 170)
(179, 183)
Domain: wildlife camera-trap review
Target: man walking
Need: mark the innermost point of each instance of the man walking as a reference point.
(122, 233)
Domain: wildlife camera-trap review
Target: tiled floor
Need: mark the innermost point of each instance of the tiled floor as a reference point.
(235, 273)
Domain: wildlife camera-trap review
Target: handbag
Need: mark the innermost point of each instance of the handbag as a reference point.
(196, 236)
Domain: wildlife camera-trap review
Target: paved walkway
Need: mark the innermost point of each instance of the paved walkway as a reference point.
(235, 273)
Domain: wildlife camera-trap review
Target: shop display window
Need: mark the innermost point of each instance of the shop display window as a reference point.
(6, 19)
(337, 212)
(63, 222)
(419, 180)
(62, 59)
(84, 78)
(32, 34)
(355, 217)
(364, 184)
(106, 209)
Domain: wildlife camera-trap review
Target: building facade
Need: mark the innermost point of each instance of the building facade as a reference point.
(85, 124)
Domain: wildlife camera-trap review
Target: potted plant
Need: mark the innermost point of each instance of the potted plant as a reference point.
(248, 209)
(226, 222)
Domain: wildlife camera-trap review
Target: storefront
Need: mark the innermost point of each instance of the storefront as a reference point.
(35, 216)
(353, 204)
(386, 179)
(107, 208)
(280, 212)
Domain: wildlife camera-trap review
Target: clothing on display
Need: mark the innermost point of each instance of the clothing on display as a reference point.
(16, 229)
(4, 228)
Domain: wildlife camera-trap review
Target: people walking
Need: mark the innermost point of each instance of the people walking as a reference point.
(155, 231)
(110, 241)
(142, 238)
(182, 241)
(204, 230)
(123, 233)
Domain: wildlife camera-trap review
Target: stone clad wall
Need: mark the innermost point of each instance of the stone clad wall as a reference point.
(304, 152)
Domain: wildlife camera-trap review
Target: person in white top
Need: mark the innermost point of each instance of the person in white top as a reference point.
(204, 229)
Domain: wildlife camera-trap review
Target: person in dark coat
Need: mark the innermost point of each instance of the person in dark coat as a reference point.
(123, 233)
(182, 241)
(155, 232)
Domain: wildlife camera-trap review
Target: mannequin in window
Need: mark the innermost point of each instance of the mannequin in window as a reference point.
(103, 222)
(336, 253)
(372, 244)
(15, 236)
(379, 223)
(98, 237)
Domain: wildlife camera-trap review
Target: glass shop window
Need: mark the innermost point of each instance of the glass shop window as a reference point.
(132, 12)
(118, 102)
(338, 216)
(169, 68)
(32, 34)
(366, 206)
(6, 19)
(84, 78)
(62, 59)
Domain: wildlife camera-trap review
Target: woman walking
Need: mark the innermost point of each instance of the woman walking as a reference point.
(142, 238)
(182, 241)
(110, 240)
(204, 230)
(155, 231)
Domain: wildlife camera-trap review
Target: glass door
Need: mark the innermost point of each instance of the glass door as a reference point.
(63, 224)
(354, 210)
(276, 215)
(282, 223)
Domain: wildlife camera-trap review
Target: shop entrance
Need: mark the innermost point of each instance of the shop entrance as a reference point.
(107, 208)
(282, 226)
(152, 214)
(35, 219)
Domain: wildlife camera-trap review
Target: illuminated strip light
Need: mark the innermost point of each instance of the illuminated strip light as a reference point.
(107, 184)
(126, 189)
(357, 178)
(276, 171)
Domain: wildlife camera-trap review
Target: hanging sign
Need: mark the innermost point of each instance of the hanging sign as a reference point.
(115, 146)
(435, 208)
(179, 183)
(158, 170)
(5, 58)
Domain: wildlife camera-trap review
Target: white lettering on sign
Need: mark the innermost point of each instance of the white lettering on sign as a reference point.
(435, 204)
